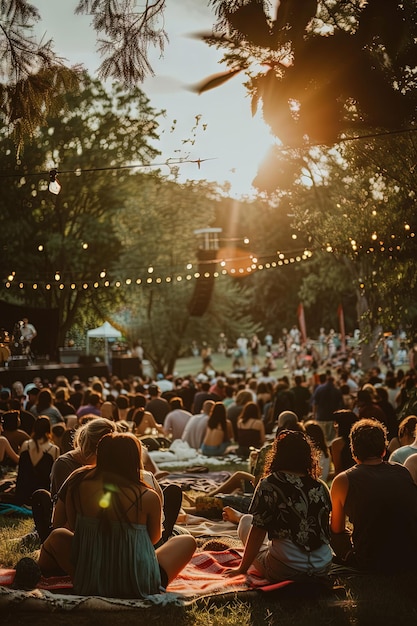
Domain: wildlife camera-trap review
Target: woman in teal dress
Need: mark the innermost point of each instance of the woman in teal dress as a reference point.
(114, 520)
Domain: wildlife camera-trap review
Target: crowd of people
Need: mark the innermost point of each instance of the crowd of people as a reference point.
(332, 470)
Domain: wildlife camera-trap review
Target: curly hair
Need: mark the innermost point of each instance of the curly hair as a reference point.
(368, 439)
(407, 426)
(315, 432)
(292, 451)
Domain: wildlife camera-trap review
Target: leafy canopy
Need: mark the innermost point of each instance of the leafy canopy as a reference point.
(327, 67)
(34, 80)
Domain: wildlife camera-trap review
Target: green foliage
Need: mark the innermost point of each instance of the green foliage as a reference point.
(322, 56)
(327, 283)
(69, 239)
(358, 206)
(34, 80)
(159, 247)
(355, 202)
(125, 33)
(114, 243)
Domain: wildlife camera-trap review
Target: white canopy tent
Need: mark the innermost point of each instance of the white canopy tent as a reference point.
(106, 332)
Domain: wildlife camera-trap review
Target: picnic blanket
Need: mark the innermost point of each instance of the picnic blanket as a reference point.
(179, 454)
(198, 481)
(202, 527)
(202, 577)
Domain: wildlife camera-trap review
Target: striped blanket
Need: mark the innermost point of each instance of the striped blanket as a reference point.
(202, 577)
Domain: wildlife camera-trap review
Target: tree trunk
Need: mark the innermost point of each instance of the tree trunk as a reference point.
(369, 335)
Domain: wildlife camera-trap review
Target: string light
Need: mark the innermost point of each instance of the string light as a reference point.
(55, 187)
(234, 270)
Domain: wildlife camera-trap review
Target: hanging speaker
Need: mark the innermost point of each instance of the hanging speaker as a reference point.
(204, 284)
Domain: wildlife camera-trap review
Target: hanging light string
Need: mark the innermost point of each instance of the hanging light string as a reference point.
(156, 276)
(179, 161)
(78, 171)
(345, 139)
(231, 265)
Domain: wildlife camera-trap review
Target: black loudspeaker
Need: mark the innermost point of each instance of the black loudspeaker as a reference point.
(204, 284)
(18, 361)
(87, 359)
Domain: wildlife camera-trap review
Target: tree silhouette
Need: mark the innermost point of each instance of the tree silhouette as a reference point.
(34, 80)
(328, 67)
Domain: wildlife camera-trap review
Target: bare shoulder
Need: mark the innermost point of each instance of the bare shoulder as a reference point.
(340, 485)
(337, 444)
(150, 497)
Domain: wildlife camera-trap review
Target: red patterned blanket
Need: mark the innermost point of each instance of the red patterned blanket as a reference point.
(203, 576)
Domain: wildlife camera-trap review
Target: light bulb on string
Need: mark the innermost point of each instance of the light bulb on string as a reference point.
(54, 186)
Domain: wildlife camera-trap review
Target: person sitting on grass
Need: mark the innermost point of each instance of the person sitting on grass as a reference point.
(87, 437)
(84, 453)
(380, 500)
(242, 484)
(7, 455)
(250, 430)
(219, 433)
(113, 522)
(406, 433)
(12, 431)
(316, 434)
(37, 456)
(145, 424)
(340, 447)
(292, 506)
(401, 454)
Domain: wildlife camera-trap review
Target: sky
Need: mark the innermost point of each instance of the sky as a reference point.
(233, 142)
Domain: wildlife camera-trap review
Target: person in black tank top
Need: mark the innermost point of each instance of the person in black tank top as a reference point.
(380, 500)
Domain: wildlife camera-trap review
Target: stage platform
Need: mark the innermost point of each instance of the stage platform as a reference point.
(50, 371)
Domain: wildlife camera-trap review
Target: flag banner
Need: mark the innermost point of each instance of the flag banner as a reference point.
(302, 322)
(341, 317)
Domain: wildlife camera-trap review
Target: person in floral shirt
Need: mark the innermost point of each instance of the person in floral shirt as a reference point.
(287, 531)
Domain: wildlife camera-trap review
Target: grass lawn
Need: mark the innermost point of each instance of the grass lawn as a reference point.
(220, 363)
(362, 601)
